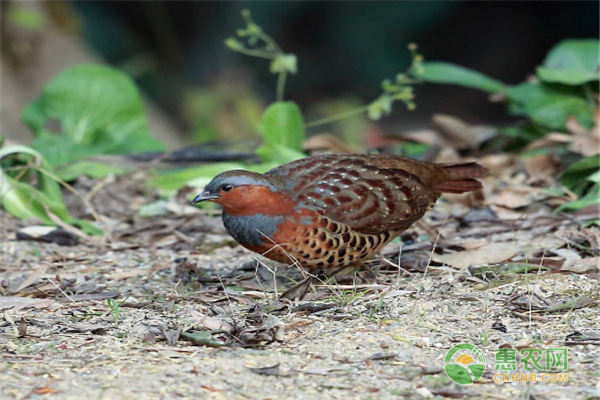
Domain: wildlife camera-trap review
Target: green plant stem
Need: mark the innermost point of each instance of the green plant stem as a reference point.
(281, 85)
(337, 117)
(256, 53)
(270, 42)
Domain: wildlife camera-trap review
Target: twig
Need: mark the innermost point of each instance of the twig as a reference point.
(58, 287)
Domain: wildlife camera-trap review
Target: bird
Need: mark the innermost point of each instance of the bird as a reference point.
(332, 210)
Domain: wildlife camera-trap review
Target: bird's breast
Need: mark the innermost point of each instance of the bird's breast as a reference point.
(251, 230)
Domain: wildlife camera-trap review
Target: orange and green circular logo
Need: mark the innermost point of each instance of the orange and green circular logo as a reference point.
(464, 364)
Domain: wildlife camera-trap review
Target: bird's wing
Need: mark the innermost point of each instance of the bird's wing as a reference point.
(351, 190)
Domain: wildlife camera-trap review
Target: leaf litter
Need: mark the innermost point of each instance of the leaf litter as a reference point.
(168, 306)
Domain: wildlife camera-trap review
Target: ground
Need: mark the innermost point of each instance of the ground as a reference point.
(169, 307)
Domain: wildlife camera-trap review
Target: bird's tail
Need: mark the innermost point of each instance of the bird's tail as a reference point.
(461, 178)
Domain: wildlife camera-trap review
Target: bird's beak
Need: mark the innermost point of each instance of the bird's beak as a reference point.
(204, 196)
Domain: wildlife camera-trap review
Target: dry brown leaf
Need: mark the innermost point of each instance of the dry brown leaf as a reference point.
(490, 254)
(584, 141)
(130, 273)
(272, 369)
(33, 276)
(457, 133)
(581, 265)
(17, 303)
(426, 136)
(581, 140)
(212, 323)
(543, 166)
(517, 196)
(326, 142)
(46, 390)
(497, 163)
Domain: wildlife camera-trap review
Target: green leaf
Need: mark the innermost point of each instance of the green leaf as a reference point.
(579, 172)
(176, 179)
(441, 72)
(95, 109)
(282, 125)
(590, 199)
(572, 62)
(26, 200)
(92, 169)
(279, 154)
(411, 149)
(582, 177)
(550, 105)
(170, 181)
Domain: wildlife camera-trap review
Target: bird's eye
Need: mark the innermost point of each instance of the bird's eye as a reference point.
(227, 187)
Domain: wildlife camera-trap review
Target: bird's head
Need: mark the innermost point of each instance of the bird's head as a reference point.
(246, 193)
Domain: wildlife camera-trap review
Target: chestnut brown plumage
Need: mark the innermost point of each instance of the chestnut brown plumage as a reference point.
(333, 210)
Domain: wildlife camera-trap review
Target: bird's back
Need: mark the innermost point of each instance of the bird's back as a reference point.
(373, 193)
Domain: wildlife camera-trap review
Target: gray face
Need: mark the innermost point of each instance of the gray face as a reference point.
(227, 181)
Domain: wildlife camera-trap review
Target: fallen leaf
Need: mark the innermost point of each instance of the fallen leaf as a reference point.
(84, 328)
(326, 142)
(298, 290)
(457, 133)
(266, 370)
(171, 335)
(212, 323)
(542, 167)
(490, 254)
(17, 303)
(90, 296)
(570, 304)
(33, 276)
(46, 389)
(48, 234)
(202, 339)
(581, 265)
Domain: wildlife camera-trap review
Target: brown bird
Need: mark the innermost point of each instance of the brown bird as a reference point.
(332, 211)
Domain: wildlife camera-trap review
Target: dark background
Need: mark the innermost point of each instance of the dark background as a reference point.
(343, 47)
(175, 52)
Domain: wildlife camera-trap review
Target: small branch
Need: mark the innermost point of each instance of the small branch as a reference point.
(255, 53)
(270, 42)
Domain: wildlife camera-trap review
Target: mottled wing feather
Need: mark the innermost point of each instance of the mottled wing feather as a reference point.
(350, 190)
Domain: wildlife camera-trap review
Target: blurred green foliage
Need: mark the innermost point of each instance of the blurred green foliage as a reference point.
(89, 110)
(26, 18)
(564, 86)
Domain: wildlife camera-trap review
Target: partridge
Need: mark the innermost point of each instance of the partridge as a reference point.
(332, 211)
